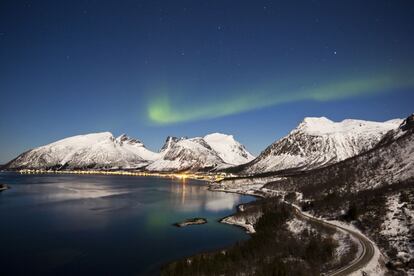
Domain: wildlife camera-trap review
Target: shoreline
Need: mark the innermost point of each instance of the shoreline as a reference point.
(231, 219)
(209, 177)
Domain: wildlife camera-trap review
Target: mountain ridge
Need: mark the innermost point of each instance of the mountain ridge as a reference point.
(315, 142)
(105, 151)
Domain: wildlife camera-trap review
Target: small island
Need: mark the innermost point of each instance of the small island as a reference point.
(192, 221)
(3, 187)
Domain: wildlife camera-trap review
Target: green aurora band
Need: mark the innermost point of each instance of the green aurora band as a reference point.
(161, 110)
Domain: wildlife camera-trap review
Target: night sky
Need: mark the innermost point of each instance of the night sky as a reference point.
(150, 69)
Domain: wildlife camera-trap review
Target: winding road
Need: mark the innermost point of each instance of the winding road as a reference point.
(366, 254)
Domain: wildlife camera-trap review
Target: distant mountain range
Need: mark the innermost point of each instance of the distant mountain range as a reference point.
(315, 143)
(104, 151)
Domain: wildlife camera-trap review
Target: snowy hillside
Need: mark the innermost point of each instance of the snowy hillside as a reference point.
(97, 150)
(318, 142)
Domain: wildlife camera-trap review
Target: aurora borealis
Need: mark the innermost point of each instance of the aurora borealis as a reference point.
(162, 111)
(151, 69)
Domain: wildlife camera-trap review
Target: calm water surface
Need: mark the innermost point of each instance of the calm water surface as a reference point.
(112, 225)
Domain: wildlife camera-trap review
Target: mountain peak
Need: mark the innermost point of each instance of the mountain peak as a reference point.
(316, 120)
(315, 124)
(230, 150)
(170, 141)
(218, 136)
(323, 126)
(123, 138)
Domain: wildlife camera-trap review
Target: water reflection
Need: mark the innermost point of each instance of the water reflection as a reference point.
(86, 190)
(222, 202)
(76, 223)
(184, 185)
(194, 198)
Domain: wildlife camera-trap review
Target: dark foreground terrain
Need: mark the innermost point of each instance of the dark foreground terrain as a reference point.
(273, 250)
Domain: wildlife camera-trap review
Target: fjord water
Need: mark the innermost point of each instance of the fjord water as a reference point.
(112, 225)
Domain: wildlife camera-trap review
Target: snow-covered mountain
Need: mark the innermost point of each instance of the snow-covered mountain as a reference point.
(104, 151)
(92, 151)
(390, 161)
(208, 153)
(318, 142)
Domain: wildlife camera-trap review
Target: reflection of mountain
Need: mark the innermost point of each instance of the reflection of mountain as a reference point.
(85, 190)
(195, 198)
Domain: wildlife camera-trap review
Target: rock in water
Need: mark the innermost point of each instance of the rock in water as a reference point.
(192, 221)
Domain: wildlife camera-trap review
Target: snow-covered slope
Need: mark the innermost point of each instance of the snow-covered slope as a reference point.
(318, 142)
(211, 152)
(97, 150)
(231, 151)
